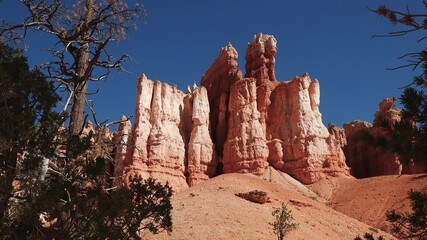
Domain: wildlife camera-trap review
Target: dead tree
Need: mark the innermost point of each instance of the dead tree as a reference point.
(83, 31)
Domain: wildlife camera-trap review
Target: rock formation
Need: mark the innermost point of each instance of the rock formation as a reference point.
(233, 124)
(218, 80)
(358, 154)
(337, 135)
(260, 58)
(387, 112)
(260, 64)
(245, 149)
(159, 142)
(300, 144)
(255, 196)
(121, 139)
(170, 138)
(367, 159)
(202, 158)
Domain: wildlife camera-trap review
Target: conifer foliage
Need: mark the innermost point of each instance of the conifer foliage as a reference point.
(57, 185)
(408, 137)
(407, 225)
(411, 225)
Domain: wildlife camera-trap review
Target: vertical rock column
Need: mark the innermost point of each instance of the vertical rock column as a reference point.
(166, 147)
(260, 64)
(202, 160)
(217, 80)
(260, 58)
(121, 141)
(301, 145)
(245, 149)
(137, 155)
(158, 148)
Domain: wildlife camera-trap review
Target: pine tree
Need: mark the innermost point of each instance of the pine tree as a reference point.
(56, 185)
(411, 225)
(407, 225)
(27, 123)
(408, 137)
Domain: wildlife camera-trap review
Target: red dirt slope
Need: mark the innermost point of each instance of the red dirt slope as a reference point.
(211, 210)
(368, 200)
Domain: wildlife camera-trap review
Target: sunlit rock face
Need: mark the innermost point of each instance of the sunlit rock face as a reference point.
(158, 140)
(387, 112)
(170, 139)
(300, 144)
(260, 64)
(233, 124)
(367, 159)
(245, 149)
(260, 58)
(202, 157)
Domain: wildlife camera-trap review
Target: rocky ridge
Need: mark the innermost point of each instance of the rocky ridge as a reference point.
(232, 124)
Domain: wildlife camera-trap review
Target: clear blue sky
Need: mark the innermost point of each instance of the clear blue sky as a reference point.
(330, 39)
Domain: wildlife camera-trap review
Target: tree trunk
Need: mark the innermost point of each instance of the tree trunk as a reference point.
(78, 108)
(80, 87)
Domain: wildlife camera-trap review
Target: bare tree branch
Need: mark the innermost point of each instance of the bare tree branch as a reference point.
(83, 32)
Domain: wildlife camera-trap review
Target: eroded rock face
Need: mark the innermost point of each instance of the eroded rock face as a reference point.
(255, 196)
(260, 64)
(365, 158)
(233, 124)
(121, 140)
(299, 142)
(260, 58)
(355, 151)
(170, 137)
(158, 143)
(245, 149)
(387, 112)
(337, 135)
(218, 79)
(202, 158)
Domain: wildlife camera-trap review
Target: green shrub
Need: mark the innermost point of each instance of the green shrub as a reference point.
(284, 222)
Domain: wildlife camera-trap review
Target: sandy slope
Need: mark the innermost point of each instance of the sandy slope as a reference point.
(211, 210)
(368, 199)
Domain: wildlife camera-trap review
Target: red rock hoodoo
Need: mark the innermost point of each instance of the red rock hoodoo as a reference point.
(170, 138)
(233, 124)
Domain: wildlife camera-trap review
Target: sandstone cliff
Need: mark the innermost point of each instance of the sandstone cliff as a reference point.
(364, 159)
(233, 124)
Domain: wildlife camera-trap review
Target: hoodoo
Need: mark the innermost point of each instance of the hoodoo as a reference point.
(232, 124)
